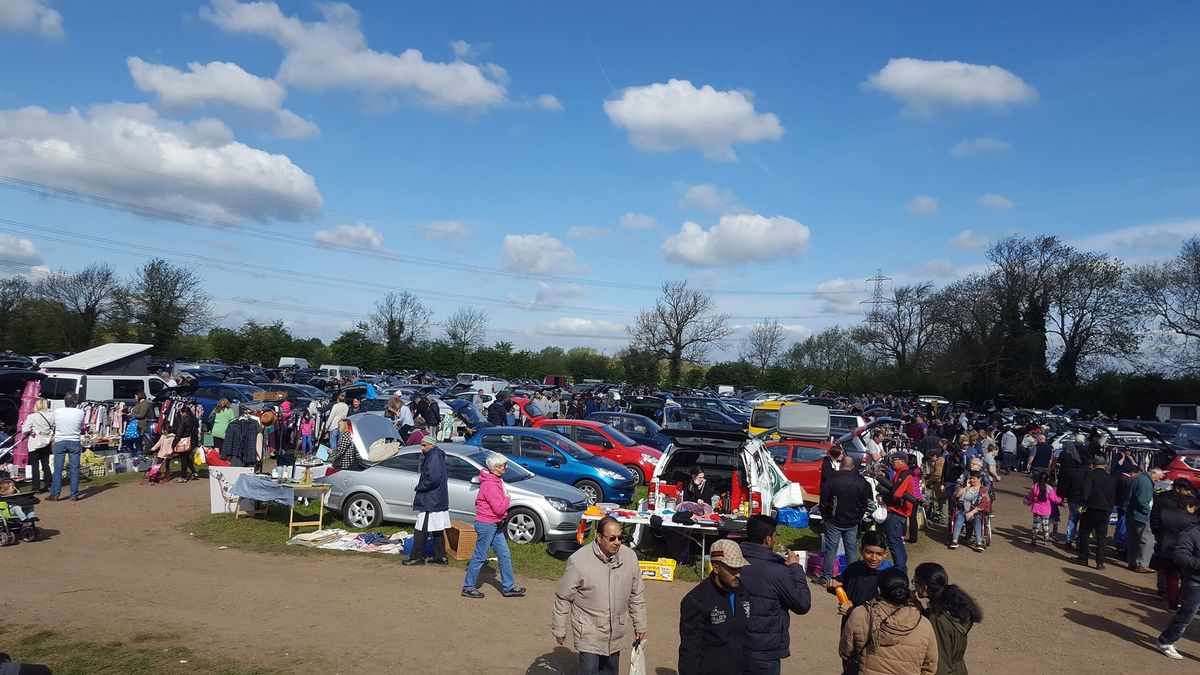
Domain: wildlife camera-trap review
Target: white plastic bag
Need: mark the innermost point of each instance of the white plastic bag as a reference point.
(637, 659)
(792, 495)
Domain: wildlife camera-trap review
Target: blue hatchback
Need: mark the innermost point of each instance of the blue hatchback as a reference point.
(548, 454)
(638, 427)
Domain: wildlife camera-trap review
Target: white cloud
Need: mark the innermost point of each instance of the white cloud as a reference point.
(220, 83)
(540, 253)
(16, 252)
(736, 239)
(638, 221)
(707, 197)
(798, 330)
(18, 16)
(998, 202)
(575, 326)
(197, 167)
(939, 268)
(446, 229)
(548, 296)
(358, 235)
(840, 296)
(332, 54)
(548, 102)
(466, 51)
(587, 233)
(925, 86)
(979, 146)
(968, 241)
(922, 205)
(665, 117)
(1139, 240)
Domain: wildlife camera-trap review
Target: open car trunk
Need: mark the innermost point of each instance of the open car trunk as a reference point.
(720, 454)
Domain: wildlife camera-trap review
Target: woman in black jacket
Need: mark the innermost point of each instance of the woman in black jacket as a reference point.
(187, 441)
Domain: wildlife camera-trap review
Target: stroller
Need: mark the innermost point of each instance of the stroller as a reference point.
(11, 525)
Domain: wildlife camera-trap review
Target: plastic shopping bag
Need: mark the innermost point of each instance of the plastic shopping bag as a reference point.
(637, 659)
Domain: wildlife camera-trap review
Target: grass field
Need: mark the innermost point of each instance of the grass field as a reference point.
(143, 654)
(269, 535)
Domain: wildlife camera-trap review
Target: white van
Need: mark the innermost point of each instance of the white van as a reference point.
(1178, 411)
(341, 372)
(293, 362)
(99, 387)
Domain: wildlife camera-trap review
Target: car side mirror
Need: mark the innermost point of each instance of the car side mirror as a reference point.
(553, 461)
(474, 480)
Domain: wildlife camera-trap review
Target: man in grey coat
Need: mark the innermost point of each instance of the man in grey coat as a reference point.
(1139, 539)
(601, 590)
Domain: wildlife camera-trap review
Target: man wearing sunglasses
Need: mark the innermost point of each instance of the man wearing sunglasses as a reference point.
(600, 591)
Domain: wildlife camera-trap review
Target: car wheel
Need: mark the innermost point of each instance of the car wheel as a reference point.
(362, 511)
(638, 478)
(523, 527)
(591, 489)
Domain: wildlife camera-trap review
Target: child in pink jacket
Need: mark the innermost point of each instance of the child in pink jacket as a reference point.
(1041, 500)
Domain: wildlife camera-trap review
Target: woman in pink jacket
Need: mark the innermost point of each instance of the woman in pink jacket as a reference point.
(491, 506)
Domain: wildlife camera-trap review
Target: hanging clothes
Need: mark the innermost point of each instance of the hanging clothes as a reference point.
(20, 456)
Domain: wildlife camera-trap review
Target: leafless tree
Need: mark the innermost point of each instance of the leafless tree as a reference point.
(1169, 292)
(902, 329)
(764, 344)
(1093, 312)
(466, 328)
(682, 327)
(399, 319)
(86, 297)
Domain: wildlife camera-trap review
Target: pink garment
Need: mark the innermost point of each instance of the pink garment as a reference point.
(20, 455)
(491, 504)
(1042, 508)
(286, 408)
(308, 426)
(415, 437)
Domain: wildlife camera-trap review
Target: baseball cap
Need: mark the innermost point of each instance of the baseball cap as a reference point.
(897, 456)
(728, 553)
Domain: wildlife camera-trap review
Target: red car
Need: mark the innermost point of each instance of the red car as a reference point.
(532, 411)
(801, 463)
(605, 441)
(1185, 465)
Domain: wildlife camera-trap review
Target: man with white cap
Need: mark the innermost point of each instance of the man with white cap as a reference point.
(714, 617)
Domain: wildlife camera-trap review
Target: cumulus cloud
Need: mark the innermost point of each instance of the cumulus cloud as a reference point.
(638, 221)
(840, 296)
(979, 146)
(939, 268)
(707, 197)
(358, 235)
(197, 168)
(19, 16)
(736, 239)
(548, 102)
(675, 115)
(220, 83)
(333, 54)
(587, 233)
(446, 229)
(540, 253)
(925, 86)
(998, 202)
(19, 253)
(968, 241)
(570, 325)
(922, 205)
(548, 296)
(1140, 240)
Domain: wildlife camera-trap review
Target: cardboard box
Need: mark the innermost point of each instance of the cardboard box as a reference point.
(460, 540)
(662, 569)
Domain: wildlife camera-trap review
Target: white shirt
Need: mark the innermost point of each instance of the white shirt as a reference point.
(1029, 441)
(337, 413)
(68, 424)
(873, 448)
(405, 417)
(1008, 442)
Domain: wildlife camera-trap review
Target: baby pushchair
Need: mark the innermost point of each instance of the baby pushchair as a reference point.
(13, 526)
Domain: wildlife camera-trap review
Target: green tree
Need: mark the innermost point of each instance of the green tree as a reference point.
(587, 363)
(86, 298)
(265, 343)
(733, 373)
(227, 345)
(354, 348)
(640, 367)
(163, 302)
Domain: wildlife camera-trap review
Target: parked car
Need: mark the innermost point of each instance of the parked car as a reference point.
(556, 457)
(740, 468)
(801, 462)
(532, 411)
(605, 441)
(766, 416)
(1188, 436)
(638, 427)
(714, 404)
(540, 509)
(1184, 464)
(208, 395)
(705, 419)
(300, 395)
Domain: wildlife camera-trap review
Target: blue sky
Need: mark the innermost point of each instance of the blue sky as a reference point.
(555, 163)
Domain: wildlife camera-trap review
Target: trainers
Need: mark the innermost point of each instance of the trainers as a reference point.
(472, 593)
(513, 592)
(977, 548)
(953, 545)
(1169, 651)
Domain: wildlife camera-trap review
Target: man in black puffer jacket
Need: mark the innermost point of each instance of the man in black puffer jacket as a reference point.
(1187, 558)
(776, 586)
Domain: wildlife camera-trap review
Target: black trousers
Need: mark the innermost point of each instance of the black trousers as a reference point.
(419, 537)
(39, 462)
(1093, 523)
(912, 526)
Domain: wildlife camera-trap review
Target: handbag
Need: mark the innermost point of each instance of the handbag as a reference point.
(183, 446)
(131, 430)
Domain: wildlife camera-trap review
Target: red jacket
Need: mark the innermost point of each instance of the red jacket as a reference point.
(898, 504)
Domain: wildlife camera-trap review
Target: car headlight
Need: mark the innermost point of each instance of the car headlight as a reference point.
(611, 475)
(559, 503)
(650, 459)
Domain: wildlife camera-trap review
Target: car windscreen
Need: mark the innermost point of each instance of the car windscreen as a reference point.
(618, 436)
(513, 472)
(471, 414)
(533, 410)
(764, 419)
(571, 448)
(1190, 431)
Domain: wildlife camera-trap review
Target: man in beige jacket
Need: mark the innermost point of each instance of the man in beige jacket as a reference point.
(600, 591)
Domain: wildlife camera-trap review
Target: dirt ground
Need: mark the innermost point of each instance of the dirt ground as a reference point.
(118, 563)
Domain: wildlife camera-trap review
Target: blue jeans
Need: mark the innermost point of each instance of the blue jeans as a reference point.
(1189, 605)
(894, 529)
(960, 519)
(1072, 520)
(598, 664)
(70, 451)
(834, 535)
(490, 535)
(333, 439)
(770, 667)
